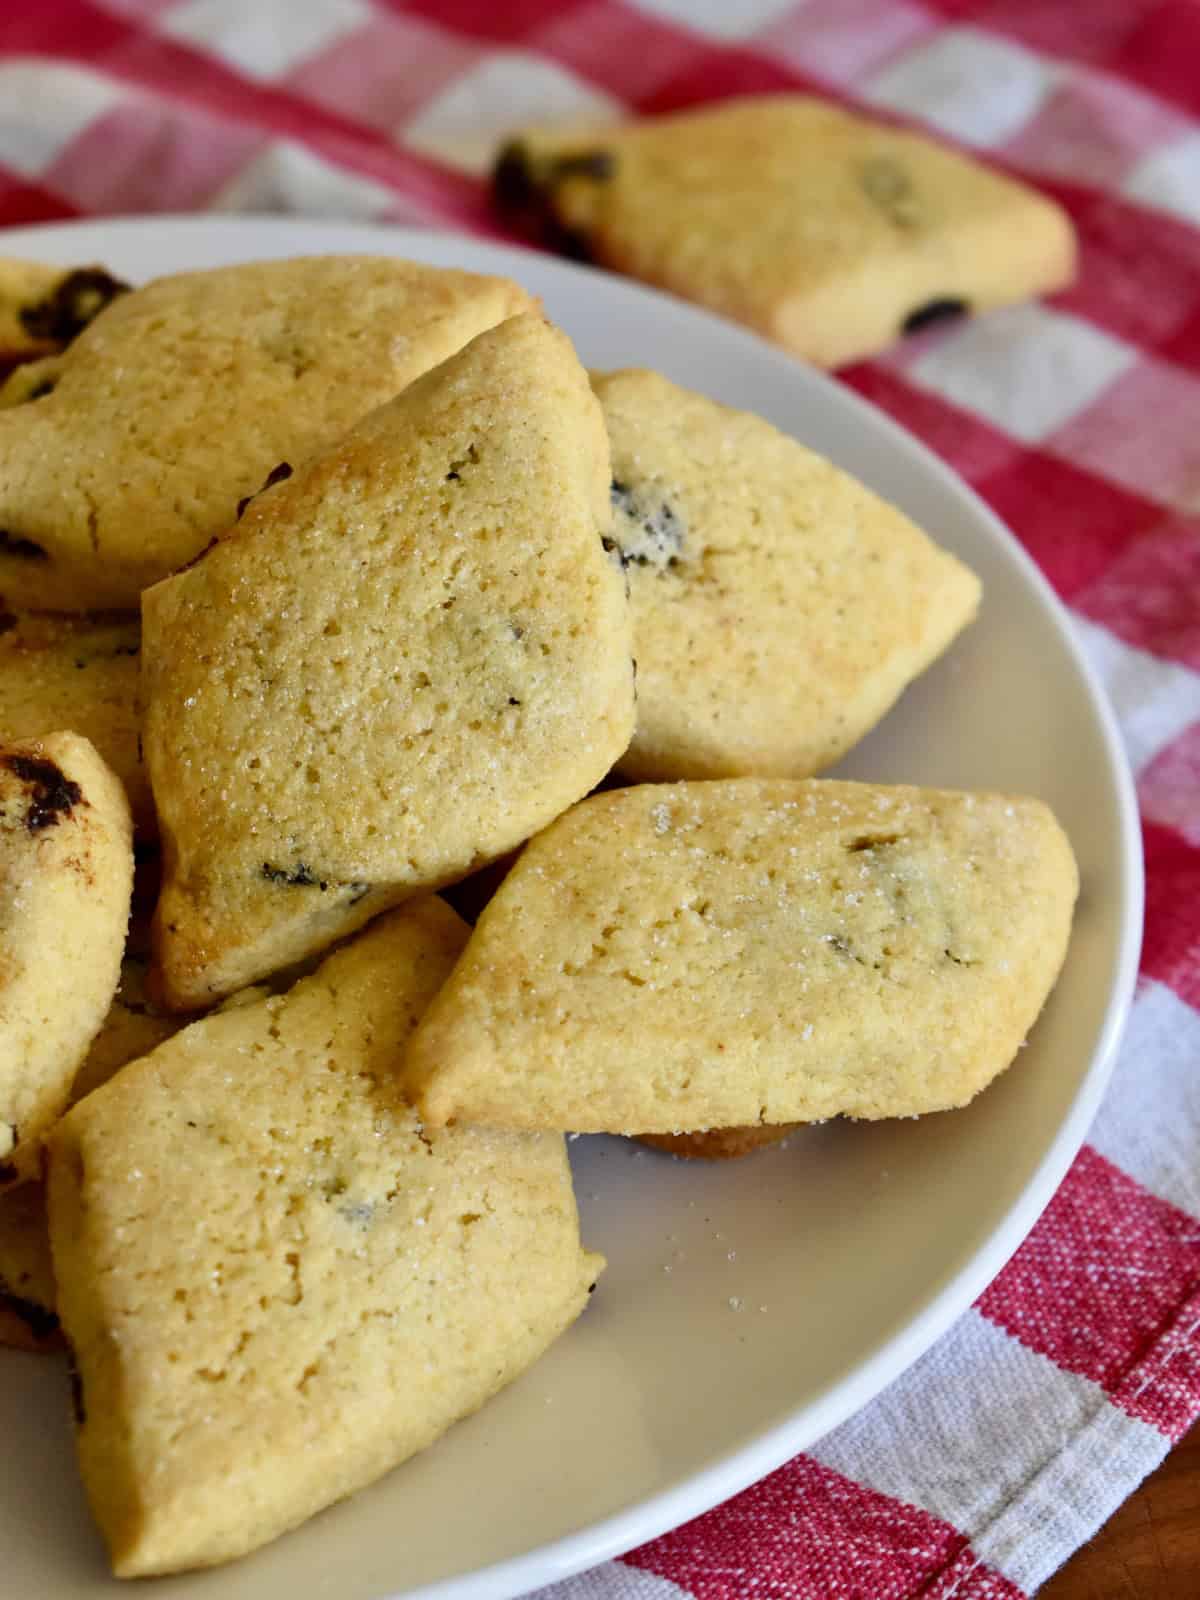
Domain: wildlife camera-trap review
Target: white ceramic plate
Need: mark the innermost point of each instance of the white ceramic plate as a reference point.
(747, 1307)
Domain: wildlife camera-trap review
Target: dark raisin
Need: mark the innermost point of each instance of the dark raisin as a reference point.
(53, 792)
(653, 531)
(944, 310)
(40, 390)
(300, 876)
(12, 545)
(40, 1320)
(527, 203)
(591, 1288)
(72, 304)
(513, 188)
(356, 890)
(276, 475)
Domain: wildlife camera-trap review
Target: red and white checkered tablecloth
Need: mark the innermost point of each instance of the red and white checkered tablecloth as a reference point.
(978, 1472)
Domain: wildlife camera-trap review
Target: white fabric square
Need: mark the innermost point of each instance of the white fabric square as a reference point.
(464, 125)
(289, 178)
(267, 39)
(719, 19)
(1147, 1123)
(1154, 700)
(43, 107)
(969, 83)
(1169, 179)
(1027, 369)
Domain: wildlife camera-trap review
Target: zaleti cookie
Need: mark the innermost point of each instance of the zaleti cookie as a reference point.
(66, 872)
(407, 658)
(135, 447)
(713, 955)
(44, 307)
(278, 1286)
(826, 231)
(79, 673)
(779, 607)
(28, 1318)
(720, 1144)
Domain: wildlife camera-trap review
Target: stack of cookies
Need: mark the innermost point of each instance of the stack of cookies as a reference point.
(331, 584)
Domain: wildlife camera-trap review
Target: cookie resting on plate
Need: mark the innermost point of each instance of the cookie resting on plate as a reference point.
(779, 607)
(407, 658)
(277, 1286)
(66, 875)
(677, 958)
(826, 231)
(123, 456)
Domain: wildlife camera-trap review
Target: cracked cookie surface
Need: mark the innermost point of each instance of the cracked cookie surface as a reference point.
(678, 958)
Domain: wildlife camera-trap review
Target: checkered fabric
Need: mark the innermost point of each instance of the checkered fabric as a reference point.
(1002, 1450)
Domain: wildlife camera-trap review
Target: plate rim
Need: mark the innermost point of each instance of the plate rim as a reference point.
(717, 1480)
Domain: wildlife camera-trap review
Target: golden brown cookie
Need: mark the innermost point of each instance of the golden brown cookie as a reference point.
(277, 1285)
(827, 231)
(719, 1144)
(715, 955)
(123, 456)
(66, 872)
(409, 657)
(779, 607)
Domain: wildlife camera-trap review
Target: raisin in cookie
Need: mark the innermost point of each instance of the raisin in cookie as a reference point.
(133, 449)
(827, 232)
(66, 874)
(779, 607)
(28, 1318)
(406, 659)
(277, 1286)
(713, 955)
(79, 673)
(43, 307)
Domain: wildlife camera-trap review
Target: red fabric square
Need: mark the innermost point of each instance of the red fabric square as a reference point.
(1171, 944)
(808, 1533)
(1073, 524)
(1098, 1281)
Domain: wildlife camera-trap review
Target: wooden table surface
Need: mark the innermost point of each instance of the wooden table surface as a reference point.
(1151, 1549)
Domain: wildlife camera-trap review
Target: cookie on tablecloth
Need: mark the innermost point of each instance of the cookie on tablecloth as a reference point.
(826, 231)
(135, 447)
(406, 659)
(779, 607)
(44, 307)
(79, 673)
(712, 955)
(66, 874)
(277, 1286)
